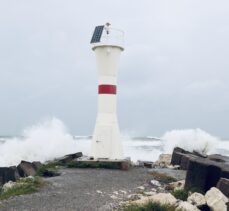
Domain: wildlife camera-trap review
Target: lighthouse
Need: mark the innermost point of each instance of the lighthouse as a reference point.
(107, 43)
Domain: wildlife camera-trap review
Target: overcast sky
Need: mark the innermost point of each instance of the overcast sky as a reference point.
(174, 72)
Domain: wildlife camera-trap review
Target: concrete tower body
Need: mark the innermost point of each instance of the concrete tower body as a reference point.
(106, 142)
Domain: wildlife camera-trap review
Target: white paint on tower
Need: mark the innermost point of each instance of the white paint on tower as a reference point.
(107, 44)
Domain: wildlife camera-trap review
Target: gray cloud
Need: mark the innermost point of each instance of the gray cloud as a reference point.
(173, 72)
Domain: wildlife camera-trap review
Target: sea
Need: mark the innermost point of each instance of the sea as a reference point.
(51, 139)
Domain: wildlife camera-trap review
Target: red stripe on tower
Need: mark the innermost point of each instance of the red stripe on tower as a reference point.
(107, 89)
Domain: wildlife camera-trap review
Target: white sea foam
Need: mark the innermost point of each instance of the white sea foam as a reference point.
(42, 142)
(50, 139)
(190, 139)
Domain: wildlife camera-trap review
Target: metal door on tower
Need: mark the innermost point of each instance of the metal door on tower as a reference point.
(104, 141)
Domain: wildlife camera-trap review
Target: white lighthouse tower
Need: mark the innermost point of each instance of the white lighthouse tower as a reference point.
(107, 43)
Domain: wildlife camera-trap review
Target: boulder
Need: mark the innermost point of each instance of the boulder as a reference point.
(26, 169)
(162, 198)
(179, 185)
(8, 186)
(50, 173)
(155, 183)
(37, 165)
(147, 164)
(204, 207)
(202, 174)
(8, 174)
(185, 206)
(125, 165)
(223, 186)
(197, 199)
(68, 158)
(164, 159)
(216, 200)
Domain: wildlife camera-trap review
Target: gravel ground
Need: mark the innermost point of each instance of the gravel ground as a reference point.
(81, 190)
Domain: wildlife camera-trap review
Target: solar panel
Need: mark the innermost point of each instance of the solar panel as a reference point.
(97, 34)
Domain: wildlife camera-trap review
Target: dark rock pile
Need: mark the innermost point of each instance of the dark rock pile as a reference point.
(25, 168)
(203, 171)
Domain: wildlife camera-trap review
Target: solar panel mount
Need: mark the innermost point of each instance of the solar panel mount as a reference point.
(97, 34)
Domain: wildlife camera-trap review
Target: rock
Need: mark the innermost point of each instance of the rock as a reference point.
(197, 199)
(134, 197)
(162, 198)
(37, 165)
(216, 200)
(69, 158)
(114, 197)
(8, 174)
(148, 164)
(99, 191)
(8, 185)
(155, 182)
(204, 207)
(164, 159)
(26, 169)
(139, 163)
(185, 206)
(125, 165)
(123, 192)
(50, 173)
(223, 186)
(202, 174)
(141, 188)
(115, 192)
(149, 193)
(179, 185)
(175, 167)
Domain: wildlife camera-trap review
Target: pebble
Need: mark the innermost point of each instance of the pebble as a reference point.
(141, 188)
(155, 182)
(123, 191)
(99, 191)
(114, 197)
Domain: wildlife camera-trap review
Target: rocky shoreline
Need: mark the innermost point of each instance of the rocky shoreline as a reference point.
(185, 180)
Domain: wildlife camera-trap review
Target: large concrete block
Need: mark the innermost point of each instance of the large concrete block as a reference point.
(225, 171)
(219, 158)
(185, 161)
(8, 174)
(176, 158)
(202, 174)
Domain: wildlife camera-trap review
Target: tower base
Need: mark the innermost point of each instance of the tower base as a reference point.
(102, 163)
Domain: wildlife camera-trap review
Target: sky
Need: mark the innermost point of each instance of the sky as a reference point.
(173, 74)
